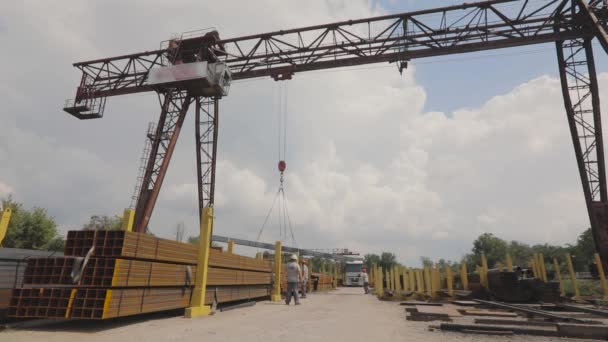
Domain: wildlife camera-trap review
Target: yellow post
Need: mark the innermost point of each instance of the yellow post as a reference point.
(435, 282)
(398, 273)
(532, 264)
(128, 217)
(336, 276)
(259, 255)
(420, 277)
(278, 266)
(4, 220)
(406, 279)
(427, 281)
(484, 271)
(396, 278)
(388, 279)
(572, 276)
(464, 276)
(379, 283)
(197, 303)
(543, 270)
(449, 280)
(230, 246)
(600, 272)
(509, 263)
(412, 280)
(558, 273)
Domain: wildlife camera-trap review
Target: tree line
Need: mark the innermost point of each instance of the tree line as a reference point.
(496, 249)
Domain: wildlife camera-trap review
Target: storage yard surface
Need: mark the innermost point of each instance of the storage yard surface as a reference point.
(342, 315)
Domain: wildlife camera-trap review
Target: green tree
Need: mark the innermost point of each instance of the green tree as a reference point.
(371, 259)
(387, 260)
(426, 261)
(29, 229)
(57, 245)
(494, 248)
(520, 253)
(104, 222)
(583, 250)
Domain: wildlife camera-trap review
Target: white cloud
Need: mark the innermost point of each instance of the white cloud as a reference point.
(368, 169)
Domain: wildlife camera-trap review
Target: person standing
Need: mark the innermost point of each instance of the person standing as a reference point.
(304, 277)
(294, 278)
(365, 280)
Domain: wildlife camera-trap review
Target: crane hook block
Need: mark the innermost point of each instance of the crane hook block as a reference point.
(282, 166)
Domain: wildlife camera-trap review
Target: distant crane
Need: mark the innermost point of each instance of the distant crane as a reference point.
(198, 69)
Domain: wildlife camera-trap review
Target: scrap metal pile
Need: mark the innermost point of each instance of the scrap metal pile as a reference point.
(497, 318)
(106, 274)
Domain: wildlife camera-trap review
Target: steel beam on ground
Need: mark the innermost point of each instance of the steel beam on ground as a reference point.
(529, 311)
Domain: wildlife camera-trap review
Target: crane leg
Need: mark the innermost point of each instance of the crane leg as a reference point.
(582, 102)
(174, 108)
(206, 130)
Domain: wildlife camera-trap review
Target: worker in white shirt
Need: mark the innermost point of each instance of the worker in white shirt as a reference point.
(294, 278)
(365, 280)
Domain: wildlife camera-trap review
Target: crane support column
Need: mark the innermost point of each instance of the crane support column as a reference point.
(174, 108)
(278, 265)
(206, 135)
(582, 102)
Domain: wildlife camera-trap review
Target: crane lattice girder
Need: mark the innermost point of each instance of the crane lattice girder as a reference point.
(465, 28)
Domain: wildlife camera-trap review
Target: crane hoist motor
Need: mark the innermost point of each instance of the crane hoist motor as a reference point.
(199, 78)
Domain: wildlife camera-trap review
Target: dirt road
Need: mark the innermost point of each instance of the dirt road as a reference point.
(342, 315)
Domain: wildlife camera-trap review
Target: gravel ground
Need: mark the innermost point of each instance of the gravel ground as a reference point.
(342, 315)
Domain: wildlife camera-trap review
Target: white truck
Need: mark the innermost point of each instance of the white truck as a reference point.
(353, 273)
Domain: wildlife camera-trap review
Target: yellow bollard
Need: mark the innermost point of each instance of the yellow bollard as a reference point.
(558, 274)
(449, 280)
(600, 272)
(509, 263)
(484, 271)
(464, 276)
(572, 276)
(128, 218)
(278, 268)
(427, 281)
(197, 303)
(4, 220)
(230, 246)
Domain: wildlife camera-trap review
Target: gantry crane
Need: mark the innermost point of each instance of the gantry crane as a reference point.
(197, 69)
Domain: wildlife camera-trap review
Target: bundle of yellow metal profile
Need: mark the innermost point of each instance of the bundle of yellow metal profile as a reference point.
(107, 303)
(220, 276)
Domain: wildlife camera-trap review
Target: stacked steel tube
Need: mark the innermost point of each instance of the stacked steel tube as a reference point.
(107, 274)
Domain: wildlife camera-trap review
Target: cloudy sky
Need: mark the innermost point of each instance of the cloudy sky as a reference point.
(418, 164)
